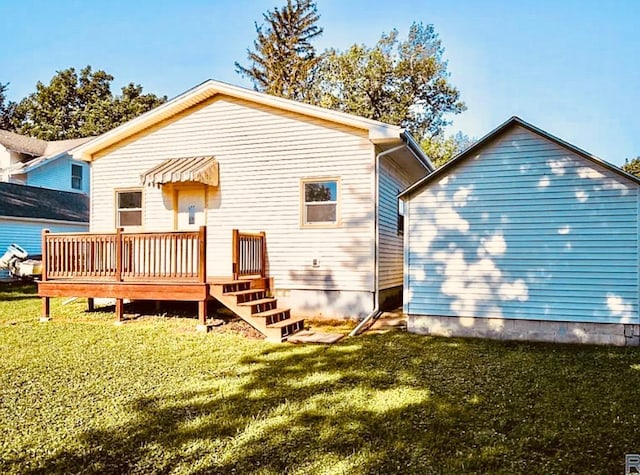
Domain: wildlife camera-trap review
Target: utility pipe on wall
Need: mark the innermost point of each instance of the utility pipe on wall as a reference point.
(376, 277)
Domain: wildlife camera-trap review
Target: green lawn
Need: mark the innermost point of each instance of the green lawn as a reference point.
(81, 395)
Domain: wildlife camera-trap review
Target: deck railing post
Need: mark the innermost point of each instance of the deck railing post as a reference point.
(235, 243)
(263, 254)
(119, 254)
(45, 255)
(202, 254)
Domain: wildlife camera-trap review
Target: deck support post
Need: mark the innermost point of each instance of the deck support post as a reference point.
(45, 316)
(202, 315)
(119, 311)
(90, 304)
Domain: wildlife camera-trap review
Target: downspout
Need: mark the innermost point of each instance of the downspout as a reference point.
(376, 277)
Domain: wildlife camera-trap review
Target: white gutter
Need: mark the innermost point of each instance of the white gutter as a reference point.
(376, 277)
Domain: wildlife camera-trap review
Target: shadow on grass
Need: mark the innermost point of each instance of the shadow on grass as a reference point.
(18, 290)
(393, 403)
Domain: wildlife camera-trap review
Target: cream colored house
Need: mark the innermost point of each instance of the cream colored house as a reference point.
(322, 185)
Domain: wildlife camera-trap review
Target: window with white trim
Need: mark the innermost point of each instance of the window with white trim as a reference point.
(320, 202)
(129, 208)
(76, 177)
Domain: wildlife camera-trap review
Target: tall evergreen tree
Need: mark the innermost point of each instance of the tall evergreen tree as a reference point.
(73, 106)
(6, 108)
(284, 58)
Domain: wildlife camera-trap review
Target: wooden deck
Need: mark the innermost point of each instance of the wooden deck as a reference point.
(162, 266)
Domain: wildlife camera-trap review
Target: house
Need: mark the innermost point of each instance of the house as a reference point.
(25, 211)
(524, 236)
(41, 163)
(307, 195)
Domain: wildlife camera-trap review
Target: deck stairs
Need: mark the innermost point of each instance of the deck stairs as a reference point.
(248, 299)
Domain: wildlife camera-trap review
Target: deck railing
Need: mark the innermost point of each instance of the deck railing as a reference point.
(249, 254)
(124, 256)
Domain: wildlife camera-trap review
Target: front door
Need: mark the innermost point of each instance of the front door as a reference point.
(191, 209)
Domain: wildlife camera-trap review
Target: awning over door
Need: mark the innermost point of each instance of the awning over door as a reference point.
(183, 170)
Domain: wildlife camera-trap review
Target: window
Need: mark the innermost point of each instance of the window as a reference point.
(400, 216)
(320, 205)
(129, 205)
(76, 177)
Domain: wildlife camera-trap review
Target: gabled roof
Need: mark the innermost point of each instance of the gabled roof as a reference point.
(23, 201)
(501, 129)
(379, 132)
(58, 148)
(22, 143)
(43, 150)
(55, 147)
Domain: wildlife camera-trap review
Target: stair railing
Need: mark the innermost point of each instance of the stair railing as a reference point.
(249, 254)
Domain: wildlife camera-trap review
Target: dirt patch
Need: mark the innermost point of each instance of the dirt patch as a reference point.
(238, 326)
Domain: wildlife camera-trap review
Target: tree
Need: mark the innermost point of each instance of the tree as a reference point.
(441, 149)
(284, 58)
(6, 109)
(399, 82)
(632, 166)
(73, 106)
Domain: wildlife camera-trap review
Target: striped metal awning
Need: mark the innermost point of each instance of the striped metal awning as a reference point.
(183, 170)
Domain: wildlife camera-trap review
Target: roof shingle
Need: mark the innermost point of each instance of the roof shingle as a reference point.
(23, 201)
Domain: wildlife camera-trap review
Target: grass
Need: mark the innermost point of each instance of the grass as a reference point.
(80, 395)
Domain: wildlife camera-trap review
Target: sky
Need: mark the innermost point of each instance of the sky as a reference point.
(569, 67)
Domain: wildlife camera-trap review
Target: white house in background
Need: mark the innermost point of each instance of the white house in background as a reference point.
(40, 163)
(524, 236)
(26, 210)
(322, 185)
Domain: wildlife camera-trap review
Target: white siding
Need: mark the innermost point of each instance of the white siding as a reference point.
(393, 180)
(5, 157)
(28, 234)
(263, 154)
(56, 175)
(525, 229)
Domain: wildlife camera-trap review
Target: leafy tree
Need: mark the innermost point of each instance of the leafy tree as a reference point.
(73, 106)
(441, 149)
(399, 82)
(632, 166)
(284, 58)
(6, 109)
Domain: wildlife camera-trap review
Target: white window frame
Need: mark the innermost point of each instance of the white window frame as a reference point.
(303, 203)
(118, 209)
(75, 166)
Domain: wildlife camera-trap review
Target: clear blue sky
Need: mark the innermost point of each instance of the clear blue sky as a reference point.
(569, 67)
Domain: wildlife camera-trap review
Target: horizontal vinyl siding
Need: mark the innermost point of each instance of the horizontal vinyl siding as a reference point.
(525, 229)
(57, 175)
(263, 154)
(28, 235)
(392, 181)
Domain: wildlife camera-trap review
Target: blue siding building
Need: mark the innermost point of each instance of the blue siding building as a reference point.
(61, 173)
(524, 236)
(25, 211)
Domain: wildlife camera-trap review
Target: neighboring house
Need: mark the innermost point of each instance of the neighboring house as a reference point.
(25, 211)
(524, 236)
(46, 164)
(322, 185)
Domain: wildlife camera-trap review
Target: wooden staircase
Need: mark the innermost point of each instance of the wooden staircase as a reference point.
(248, 299)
